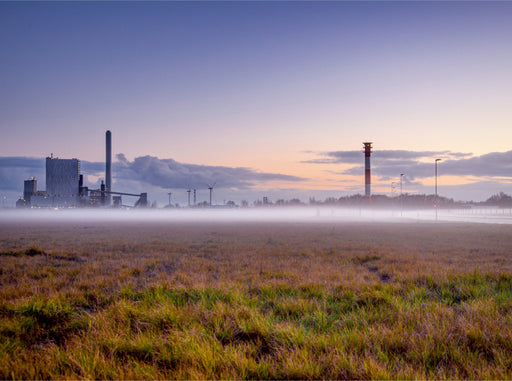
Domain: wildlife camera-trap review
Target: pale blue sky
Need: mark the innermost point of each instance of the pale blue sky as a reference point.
(256, 84)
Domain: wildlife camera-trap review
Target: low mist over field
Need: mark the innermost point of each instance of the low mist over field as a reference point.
(286, 214)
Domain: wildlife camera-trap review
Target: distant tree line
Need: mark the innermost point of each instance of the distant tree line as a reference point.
(406, 200)
(501, 199)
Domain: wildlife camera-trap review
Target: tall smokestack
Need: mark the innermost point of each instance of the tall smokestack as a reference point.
(108, 165)
(367, 170)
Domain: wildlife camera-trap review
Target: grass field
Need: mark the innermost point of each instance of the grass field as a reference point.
(255, 300)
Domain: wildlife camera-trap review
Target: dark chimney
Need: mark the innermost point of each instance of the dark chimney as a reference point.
(108, 166)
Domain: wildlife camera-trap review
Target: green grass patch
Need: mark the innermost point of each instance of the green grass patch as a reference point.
(166, 301)
(451, 328)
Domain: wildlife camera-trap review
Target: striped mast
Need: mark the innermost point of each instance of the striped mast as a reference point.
(367, 170)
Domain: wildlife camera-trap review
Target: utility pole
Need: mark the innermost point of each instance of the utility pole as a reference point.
(437, 202)
(392, 197)
(401, 195)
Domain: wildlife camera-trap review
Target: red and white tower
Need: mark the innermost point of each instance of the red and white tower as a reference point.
(367, 170)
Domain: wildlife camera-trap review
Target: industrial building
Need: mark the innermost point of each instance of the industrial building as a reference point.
(29, 189)
(62, 185)
(65, 188)
(62, 177)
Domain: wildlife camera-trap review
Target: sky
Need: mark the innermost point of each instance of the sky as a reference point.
(261, 98)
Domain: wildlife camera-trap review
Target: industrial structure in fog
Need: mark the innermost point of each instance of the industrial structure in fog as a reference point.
(108, 165)
(29, 189)
(64, 186)
(367, 170)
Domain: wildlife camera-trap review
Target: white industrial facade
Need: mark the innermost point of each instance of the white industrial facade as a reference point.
(62, 176)
(62, 184)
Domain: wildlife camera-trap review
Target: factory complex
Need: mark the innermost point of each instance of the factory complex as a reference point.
(65, 187)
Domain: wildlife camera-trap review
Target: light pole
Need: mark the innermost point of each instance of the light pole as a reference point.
(401, 195)
(437, 206)
(393, 198)
(169, 198)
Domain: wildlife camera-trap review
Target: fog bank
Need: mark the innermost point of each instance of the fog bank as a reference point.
(291, 215)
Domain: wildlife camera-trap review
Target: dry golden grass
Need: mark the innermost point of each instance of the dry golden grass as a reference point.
(255, 300)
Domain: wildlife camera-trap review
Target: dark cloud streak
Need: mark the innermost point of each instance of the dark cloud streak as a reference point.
(15, 169)
(390, 163)
(355, 157)
(168, 173)
(21, 162)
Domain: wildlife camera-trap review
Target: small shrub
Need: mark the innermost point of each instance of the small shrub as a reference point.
(34, 250)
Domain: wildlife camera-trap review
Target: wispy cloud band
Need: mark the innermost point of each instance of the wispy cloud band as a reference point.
(420, 164)
(168, 173)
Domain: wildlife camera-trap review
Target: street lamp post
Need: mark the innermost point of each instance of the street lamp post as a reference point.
(401, 195)
(437, 202)
(392, 197)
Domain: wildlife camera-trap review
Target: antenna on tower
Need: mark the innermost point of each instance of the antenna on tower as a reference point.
(210, 187)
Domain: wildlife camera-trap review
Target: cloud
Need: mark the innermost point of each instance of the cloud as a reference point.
(494, 164)
(144, 171)
(92, 168)
(150, 170)
(390, 163)
(355, 157)
(143, 174)
(168, 173)
(336, 157)
(21, 162)
(14, 170)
